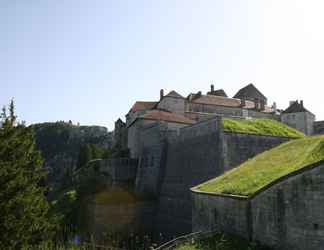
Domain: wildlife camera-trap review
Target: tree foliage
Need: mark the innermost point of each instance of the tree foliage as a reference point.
(24, 209)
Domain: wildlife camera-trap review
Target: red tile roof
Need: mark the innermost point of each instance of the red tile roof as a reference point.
(166, 116)
(142, 105)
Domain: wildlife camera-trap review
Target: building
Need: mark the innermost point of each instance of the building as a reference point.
(178, 111)
(298, 117)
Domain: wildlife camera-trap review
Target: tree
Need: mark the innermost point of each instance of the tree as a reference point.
(24, 208)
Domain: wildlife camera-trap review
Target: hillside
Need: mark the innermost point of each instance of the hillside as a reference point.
(267, 167)
(260, 127)
(60, 144)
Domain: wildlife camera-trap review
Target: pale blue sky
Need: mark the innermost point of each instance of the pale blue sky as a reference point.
(89, 61)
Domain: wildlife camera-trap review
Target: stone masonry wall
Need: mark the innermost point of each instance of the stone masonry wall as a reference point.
(225, 214)
(239, 147)
(150, 159)
(285, 215)
(290, 214)
(201, 152)
(190, 160)
(319, 127)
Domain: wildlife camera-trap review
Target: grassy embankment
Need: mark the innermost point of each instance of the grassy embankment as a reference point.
(260, 127)
(267, 167)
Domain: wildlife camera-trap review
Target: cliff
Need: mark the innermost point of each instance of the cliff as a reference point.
(60, 142)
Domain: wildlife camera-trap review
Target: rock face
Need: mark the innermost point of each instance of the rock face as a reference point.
(60, 143)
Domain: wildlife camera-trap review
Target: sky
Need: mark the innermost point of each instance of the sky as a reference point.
(89, 61)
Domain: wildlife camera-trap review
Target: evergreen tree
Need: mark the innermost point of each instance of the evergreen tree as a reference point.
(23, 206)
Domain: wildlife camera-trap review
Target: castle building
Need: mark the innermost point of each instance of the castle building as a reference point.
(178, 111)
(298, 117)
(179, 141)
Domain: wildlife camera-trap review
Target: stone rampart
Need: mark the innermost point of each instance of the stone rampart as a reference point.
(201, 128)
(200, 152)
(120, 169)
(287, 214)
(221, 213)
(149, 167)
(318, 127)
(239, 147)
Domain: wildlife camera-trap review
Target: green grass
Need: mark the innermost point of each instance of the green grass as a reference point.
(265, 168)
(260, 127)
(220, 242)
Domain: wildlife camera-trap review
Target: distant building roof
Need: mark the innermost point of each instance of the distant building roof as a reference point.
(174, 94)
(228, 102)
(250, 92)
(142, 105)
(296, 107)
(217, 100)
(166, 116)
(218, 92)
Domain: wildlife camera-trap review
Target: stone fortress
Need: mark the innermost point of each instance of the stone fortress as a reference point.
(178, 111)
(177, 143)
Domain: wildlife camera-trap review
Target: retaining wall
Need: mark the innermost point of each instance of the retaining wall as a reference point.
(238, 147)
(287, 214)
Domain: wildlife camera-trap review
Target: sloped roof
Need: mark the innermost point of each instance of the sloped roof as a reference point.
(142, 105)
(218, 92)
(174, 94)
(218, 100)
(228, 102)
(296, 107)
(166, 116)
(249, 92)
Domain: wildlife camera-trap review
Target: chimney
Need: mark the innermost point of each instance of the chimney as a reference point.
(302, 103)
(212, 88)
(161, 94)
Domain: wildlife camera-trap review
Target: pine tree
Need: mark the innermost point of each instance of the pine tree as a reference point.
(23, 206)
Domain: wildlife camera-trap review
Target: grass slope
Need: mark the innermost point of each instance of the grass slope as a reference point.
(265, 168)
(260, 127)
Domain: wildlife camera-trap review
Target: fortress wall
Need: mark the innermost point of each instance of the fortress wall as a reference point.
(239, 147)
(290, 214)
(198, 116)
(120, 169)
(201, 128)
(208, 108)
(150, 158)
(319, 127)
(151, 155)
(226, 214)
(286, 215)
(190, 160)
(134, 136)
(201, 152)
(262, 115)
